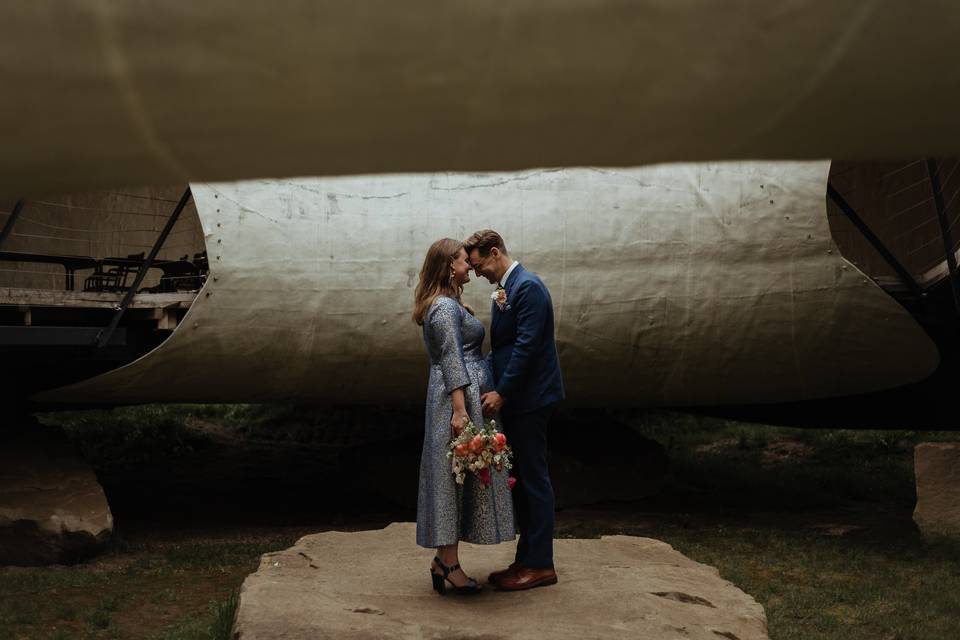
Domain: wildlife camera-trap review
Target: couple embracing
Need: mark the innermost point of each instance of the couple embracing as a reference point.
(518, 384)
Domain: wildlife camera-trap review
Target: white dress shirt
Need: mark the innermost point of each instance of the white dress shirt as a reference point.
(506, 276)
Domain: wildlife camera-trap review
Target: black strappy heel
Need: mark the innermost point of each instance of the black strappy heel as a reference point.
(469, 589)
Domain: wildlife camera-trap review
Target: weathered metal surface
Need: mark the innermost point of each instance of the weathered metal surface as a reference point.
(114, 92)
(673, 284)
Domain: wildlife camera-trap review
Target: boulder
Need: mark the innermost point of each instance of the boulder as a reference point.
(937, 470)
(52, 509)
(375, 584)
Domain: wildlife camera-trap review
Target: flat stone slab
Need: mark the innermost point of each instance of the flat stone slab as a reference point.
(375, 584)
(52, 509)
(937, 470)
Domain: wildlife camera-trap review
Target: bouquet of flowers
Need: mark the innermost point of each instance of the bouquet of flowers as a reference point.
(477, 450)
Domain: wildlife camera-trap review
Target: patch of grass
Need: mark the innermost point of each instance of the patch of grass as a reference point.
(66, 611)
(129, 436)
(814, 587)
(100, 618)
(224, 615)
(739, 464)
(126, 437)
(151, 589)
(198, 556)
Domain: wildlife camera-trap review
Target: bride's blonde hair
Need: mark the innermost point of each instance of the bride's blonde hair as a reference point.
(436, 277)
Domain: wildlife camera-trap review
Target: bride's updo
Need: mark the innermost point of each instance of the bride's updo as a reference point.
(436, 277)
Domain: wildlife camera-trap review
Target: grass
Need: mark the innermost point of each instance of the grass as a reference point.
(216, 623)
(140, 432)
(814, 524)
(815, 587)
(153, 590)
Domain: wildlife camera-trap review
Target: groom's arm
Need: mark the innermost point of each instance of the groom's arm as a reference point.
(531, 304)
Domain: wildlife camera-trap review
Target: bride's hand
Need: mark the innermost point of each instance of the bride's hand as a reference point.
(456, 422)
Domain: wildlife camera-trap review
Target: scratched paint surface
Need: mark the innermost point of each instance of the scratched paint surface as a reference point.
(109, 92)
(672, 284)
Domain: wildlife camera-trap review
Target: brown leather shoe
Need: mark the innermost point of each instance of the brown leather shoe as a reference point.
(496, 576)
(526, 578)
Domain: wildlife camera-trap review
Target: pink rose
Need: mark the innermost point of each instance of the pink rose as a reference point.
(511, 481)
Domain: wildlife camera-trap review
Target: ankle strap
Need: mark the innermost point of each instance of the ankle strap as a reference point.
(444, 568)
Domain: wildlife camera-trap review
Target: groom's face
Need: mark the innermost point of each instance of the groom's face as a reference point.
(484, 265)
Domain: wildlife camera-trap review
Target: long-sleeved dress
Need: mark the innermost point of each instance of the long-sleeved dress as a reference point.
(446, 511)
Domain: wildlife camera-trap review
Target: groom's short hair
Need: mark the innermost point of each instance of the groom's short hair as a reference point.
(483, 241)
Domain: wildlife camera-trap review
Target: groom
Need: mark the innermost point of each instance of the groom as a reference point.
(526, 374)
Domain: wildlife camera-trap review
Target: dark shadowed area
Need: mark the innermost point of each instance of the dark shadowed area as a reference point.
(815, 524)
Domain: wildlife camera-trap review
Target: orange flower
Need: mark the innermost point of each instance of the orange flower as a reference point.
(476, 445)
(461, 450)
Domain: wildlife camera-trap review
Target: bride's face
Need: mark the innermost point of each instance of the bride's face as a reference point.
(461, 268)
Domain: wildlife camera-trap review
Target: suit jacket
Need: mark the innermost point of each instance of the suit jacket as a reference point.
(523, 351)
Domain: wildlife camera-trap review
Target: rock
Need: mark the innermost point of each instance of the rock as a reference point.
(52, 509)
(374, 584)
(937, 470)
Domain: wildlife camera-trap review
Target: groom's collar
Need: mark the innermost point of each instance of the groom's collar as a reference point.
(506, 276)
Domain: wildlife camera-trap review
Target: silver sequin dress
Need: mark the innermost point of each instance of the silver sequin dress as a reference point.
(447, 512)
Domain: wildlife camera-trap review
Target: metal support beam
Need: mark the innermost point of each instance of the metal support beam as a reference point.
(12, 220)
(103, 336)
(944, 231)
(874, 241)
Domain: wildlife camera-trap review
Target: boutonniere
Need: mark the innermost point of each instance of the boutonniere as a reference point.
(500, 297)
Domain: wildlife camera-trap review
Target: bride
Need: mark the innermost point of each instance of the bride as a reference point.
(447, 512)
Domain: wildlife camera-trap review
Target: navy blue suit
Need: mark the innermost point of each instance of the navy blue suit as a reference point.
(526, 373)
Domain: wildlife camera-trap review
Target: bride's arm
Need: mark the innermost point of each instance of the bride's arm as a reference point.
(446, 338)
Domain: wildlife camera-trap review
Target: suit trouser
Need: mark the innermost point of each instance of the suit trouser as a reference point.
(533, 492)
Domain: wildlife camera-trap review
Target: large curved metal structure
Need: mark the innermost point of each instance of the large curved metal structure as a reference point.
(116, 92)
(673, 285)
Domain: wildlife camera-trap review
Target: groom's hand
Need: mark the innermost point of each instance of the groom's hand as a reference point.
(492, 402)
